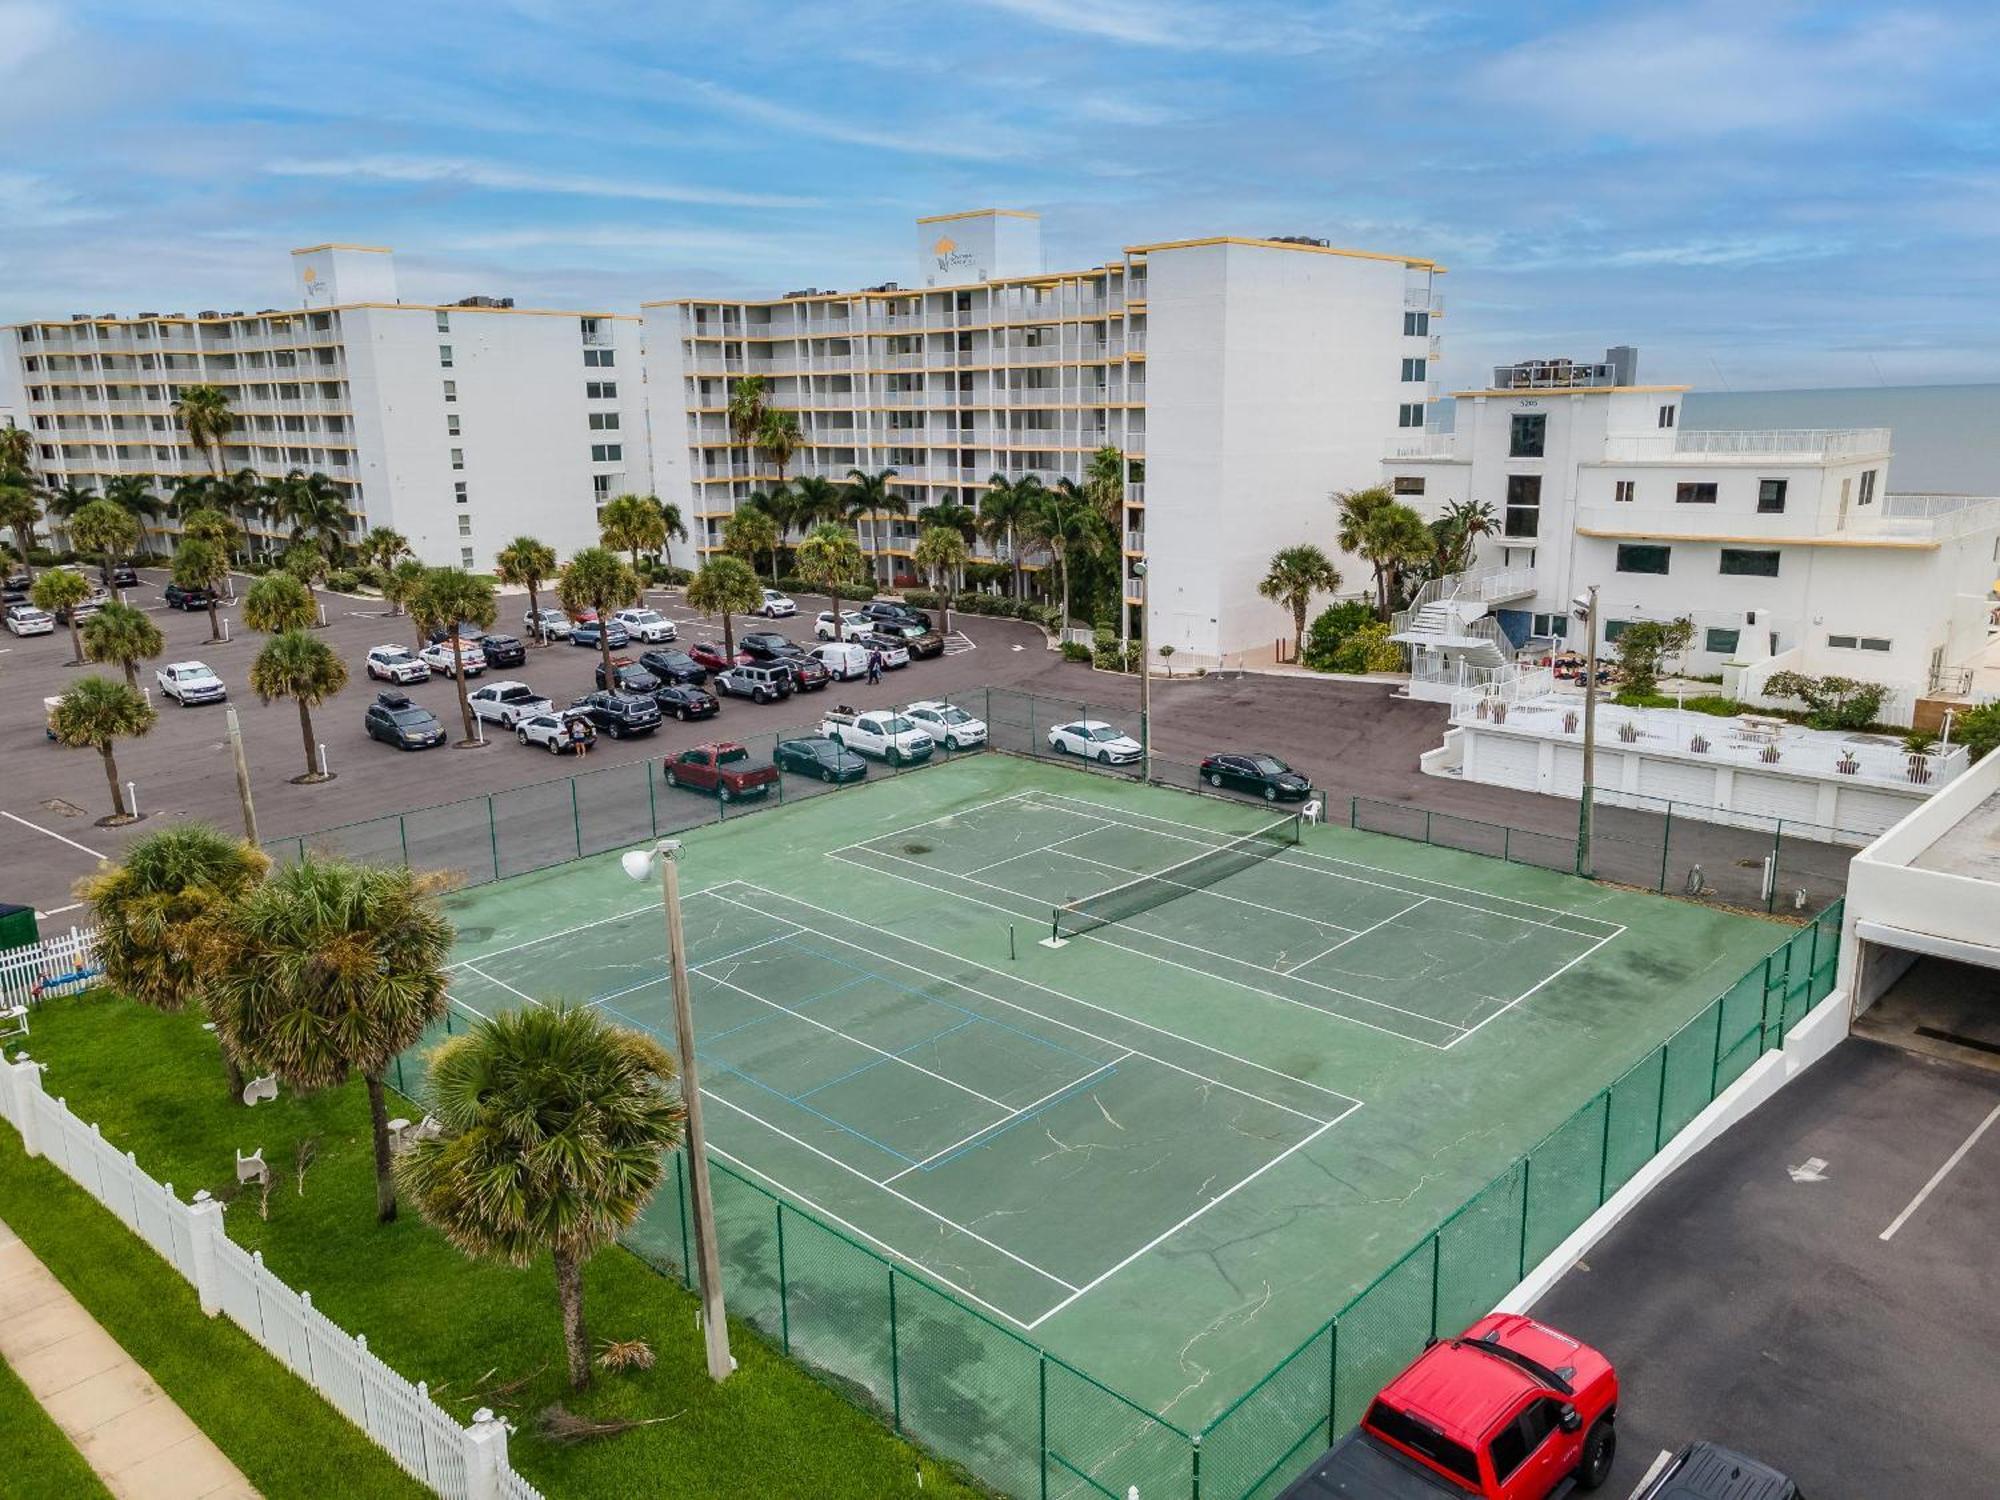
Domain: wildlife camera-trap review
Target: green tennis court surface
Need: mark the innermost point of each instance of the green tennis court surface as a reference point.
(1250, 1073)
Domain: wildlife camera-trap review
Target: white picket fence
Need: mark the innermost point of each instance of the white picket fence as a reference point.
(459, 1463)
(22, 969)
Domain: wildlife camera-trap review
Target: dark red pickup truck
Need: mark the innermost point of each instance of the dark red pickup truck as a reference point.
(724, 769)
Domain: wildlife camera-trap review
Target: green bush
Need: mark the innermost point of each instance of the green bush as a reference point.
(1831, 702)
(343, 580)
(666, 577)
(1367, 649)
(1978, 729)
(922, 599)
(1704, 703)
(1329, 632)
(1075, 651)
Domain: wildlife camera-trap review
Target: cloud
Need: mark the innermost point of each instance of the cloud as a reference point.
(26, 32)
(449, 171)
(955, 136)
(1262, 26)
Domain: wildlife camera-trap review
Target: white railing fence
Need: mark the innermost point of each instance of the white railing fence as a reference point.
(459, 1463)
(24, 970)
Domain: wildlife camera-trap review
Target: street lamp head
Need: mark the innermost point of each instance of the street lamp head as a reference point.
(641, 863)
(1580, 606)
(1139, 568)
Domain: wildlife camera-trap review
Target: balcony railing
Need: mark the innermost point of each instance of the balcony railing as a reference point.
(1424, 445)
(1695, 444)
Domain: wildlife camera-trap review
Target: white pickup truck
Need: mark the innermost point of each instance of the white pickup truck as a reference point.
(882, 733)
(507, 703)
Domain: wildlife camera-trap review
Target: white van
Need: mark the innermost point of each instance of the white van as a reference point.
(842, 659)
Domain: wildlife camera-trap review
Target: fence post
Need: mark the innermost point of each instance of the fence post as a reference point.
(784, 1289)
(485, 1456)
(493, 835)
(402, 835)
(1353, 812)
(1042, 1408)
(652, 800)
(24, 1082)
(1666, 846)
(1437, 1276)
(1332, 1380)
(204, 1227)
(895, 1360)
(1195, 1443)
(1527, 1209)
(575, 818)
(1777, 854)
(1604, 1152)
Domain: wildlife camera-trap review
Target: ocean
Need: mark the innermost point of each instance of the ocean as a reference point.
(1946, 437)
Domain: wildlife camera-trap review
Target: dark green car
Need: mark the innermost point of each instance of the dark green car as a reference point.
(816, 755)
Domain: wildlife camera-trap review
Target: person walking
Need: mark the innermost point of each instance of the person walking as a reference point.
(874, 668)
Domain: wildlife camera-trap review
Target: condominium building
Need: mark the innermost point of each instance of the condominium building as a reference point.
(1787, 549)
(459, 425)
(1242, 380)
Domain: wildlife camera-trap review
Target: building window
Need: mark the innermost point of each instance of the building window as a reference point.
(451, 424)
(1742, 564)
(465, 526)
(1413, 369)
(1643, 557)
(1410, 414)
(600, 390)
(600, 487)
(1694, 494)
(1416, 324)
(1771, 497)
(444, 355)
(458, 491)
(1666, 416)
(1857, 643)
(606, 453)
(458, 458)
(444, 322)
(1719, 641)
(1529, 433)
(1524, 505)
(1409, 486)
(1625, 491)
(1867, 488)
(599, 358)
(604, 421)
(451, 390)
(465, 558)
(1613, 629)
(1551, 627)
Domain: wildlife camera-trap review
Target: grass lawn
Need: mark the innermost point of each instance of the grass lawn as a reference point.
(156, 1086)
(41, 1463)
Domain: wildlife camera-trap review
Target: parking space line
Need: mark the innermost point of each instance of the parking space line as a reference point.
(1666, 1457)
(1942, 1172)
(94, 854)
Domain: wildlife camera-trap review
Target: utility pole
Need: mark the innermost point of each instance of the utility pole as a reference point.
(1584, 852)
(1145, 678)
(242, 778)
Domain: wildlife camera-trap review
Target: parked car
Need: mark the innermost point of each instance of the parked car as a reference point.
(589, 632)
(763, 645)
(1509, 1410)
(761, 682)
(851, 626)
(919, 640)
(14, 590)
(685, 702)
(892, 649)
(948, 724)
(185, 599)
(465, 630)
(1265, 775)
(83, 611)
(647, 625)
(442, 659)
(816, 755)
(674, 666)
(25, 619)
(724, 769)
(553, 730)
(124, 576)
(627, 676)
(711, 655)
(843, 660)
(395, 720)
(189, 683)
(777, 606)
(1096, 740)
(1709, 1471)
(546, 624)
(882, 733)
(507, 703)
(396, 664)
(894, 611)
(503, 650)
(620, 714)
(809, 674)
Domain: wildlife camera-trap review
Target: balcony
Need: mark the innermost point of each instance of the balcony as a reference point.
(1135, 541)
(1423, 299)
(1424, 445)
(1799, 444)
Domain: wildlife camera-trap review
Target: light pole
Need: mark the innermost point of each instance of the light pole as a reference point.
(639, 864)
(1145, 679)
(242, 777)
(1584, 607)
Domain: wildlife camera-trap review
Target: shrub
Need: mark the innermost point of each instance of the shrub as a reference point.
(1643, 644)
(1366, 648)
(1329, 632)
(1075, 651)
(343, 580)
(666, 577)
(1831, 702)
(1978, 729)
(922, 599)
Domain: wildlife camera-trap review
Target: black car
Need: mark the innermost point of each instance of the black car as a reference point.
(889, 609)
(816, 755)
(620, 714)
(180, 598)
(22, 581)
(1709, 1471)
(13, 592)
(1265, 775)
(809, 673)
(627, 677)
(685, 702)
(465, 630)
(124, 576)
(765, 645)
(395, 720)
(503, 650)
(674, 666)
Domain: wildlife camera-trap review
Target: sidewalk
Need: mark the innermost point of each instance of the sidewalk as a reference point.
(136, 1438)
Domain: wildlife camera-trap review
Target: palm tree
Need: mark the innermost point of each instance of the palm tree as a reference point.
(725, 586)
(1297, 573)
(204, 414)
(316, 510)
(866, 496)
(1064, 520)
(156, 909)
(16, 448)
(748, 532)
(299, 665)
(399, 586)
(827, 559)
(59, 591)
(277, 603)
(526, 562)
(1003, 511)
(815, 498)
(190, 493)
(597, 579)
(447, 597)
(18, 509)
(200, 564)
(1104, 483)
(103, 528)
(672, 523)
(384, 547)
(133, 494)
(95, 714)
(216, 526)
(119, 633)
(746, 409)
(940, 554)
(778, 434)
(69, 497)
(1392, 537)
(1467, 521)
(329, 969)
(949, 514)
(556, 1129)
(632, 522)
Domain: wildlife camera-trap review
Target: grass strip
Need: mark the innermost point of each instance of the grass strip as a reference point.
(42, 1463)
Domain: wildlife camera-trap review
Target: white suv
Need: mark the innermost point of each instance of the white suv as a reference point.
(777, 605)
(851, 626)
(948, 724)
(190, 682)
(396, 664)
(647, 625)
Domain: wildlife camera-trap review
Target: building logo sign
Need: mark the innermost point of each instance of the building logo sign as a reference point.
(950, 258)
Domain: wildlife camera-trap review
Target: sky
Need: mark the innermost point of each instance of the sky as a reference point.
(1756, 193)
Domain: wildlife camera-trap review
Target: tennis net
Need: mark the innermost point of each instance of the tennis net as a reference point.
(1145, 892)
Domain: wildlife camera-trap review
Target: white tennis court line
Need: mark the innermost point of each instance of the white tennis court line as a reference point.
(1102, 824)
(701, 968)
(1531, 989)
(517, 994)
(963, 812)
(1009, 1118)
(1140, 877)
(1352, 935)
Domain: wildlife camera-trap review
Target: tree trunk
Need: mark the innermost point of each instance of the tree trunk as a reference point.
(1063, 624)
(378, 1118)
(458, 683)
(728, 639)
(214, 624)
(1298, 629)
(576, 1341)
(535, 613)
(111, 775)
(75, 639)
(306, 733)
(417, 626)
(131, 674)
(604, 641)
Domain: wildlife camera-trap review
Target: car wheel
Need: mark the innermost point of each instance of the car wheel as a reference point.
(681, 714)
(615, 730)
(1215, 780)
(672, 780)
(761, 696)
(827, 777)
(1270, 794)
(1600, 1446)
(521, 735)
(1104, 757)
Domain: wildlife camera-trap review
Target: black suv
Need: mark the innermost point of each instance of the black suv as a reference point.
(809, 673)
(503, 650)
(620, 714)
(124, 576)
(180, 598)
(889, 609)
(627, 677)
(766, 645)
(395, 720)
(674, 666)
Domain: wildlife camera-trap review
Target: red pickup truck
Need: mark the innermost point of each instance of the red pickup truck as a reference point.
(1509, 1410)
(724, 769)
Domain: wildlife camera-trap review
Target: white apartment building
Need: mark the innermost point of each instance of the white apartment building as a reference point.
(1243, 380)
(461, 425)
(1786, 548)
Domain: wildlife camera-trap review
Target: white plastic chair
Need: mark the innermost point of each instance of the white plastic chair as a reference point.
(1312, 810)
(260, 1088)
(252, 1168)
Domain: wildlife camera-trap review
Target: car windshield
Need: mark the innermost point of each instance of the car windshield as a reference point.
(414, 718)
(1102, 732)
(1266, 766)
(641, 616)
(394, 658)
(950, 715)
(897, 724)
(518, 695)
(724, 757)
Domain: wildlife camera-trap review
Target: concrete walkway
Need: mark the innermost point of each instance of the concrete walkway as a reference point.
(134, 1436)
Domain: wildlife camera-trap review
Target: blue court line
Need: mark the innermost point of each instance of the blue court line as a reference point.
(1001, 1127)
(876, 1062)
(766, 1020)
(757, 1083)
